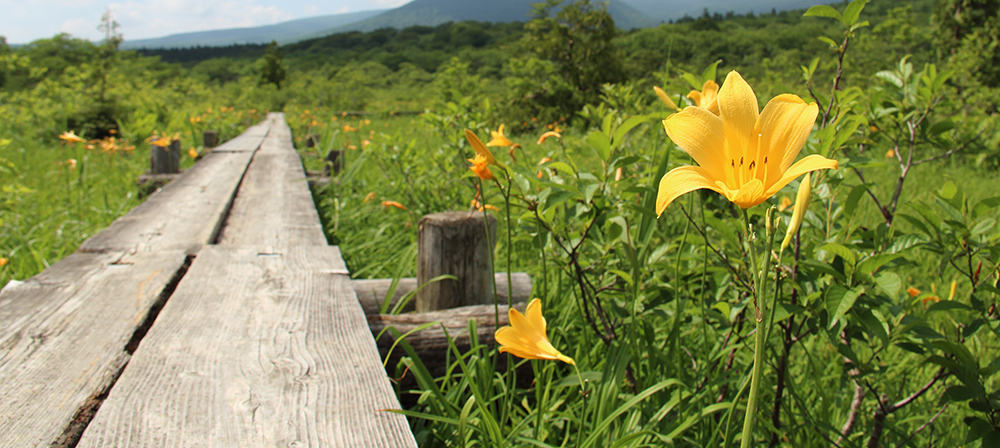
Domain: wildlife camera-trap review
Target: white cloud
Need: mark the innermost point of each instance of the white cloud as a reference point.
(25, 21)
(78, 27)
(142, 19)
(390, 3)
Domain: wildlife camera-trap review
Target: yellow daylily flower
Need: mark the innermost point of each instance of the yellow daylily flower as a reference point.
(665, 98)
(708, 98)
(742, 154)
(525, 336)
(499, 139)
(481, 149)
(70, 137)
(192, 153)
(481, 167)
(3, 262)
(388, 204)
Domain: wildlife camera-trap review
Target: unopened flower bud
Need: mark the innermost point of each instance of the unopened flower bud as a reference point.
(799, 212)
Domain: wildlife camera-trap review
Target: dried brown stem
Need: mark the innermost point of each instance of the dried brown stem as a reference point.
(885, 408)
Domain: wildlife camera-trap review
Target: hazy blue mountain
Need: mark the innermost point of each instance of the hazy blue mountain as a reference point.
(435, 12)
(627, 13)
(285, 32)
(662, 10)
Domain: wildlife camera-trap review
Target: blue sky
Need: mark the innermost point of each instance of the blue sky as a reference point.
(26, 20)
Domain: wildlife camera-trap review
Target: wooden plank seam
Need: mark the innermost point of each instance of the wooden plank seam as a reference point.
(35, 334)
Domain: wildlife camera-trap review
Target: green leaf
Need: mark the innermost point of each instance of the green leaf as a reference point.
(911, 347)
(823, 11)
(859, 25)
(985, 205)
(948, 305)
(783, 311)
(876, 325)
(983, 226)
(844, 302)
(561, 167)
(693, 80)
(853, 11)
(851, 204)
(558, 197)
(890, 283)
(960, 393)
(521, 181)
(977, 429)
(624, 275)
(709, 73)
(828, 40)
(601, 143)
(942, 127)
(948, 190)
(627, 126)
(871, 264)
(840, 251)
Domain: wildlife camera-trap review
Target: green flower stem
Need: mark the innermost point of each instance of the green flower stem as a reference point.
(583, 417)
(759, 294)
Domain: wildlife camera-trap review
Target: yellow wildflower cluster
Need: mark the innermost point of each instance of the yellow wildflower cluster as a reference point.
(107, 144)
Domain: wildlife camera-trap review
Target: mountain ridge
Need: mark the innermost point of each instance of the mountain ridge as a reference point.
(283, 32)
(628, 14)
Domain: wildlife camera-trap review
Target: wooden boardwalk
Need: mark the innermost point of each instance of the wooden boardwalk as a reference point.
(213, 314)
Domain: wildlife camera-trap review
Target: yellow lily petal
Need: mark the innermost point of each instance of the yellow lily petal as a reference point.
(750, 194)
(738, 109)
(784, 127)
(681, 180)
(525, 326)
(534, 315)
(498, 139)
(700, 134)
(511, 341)
(807, 164)
(707, 98)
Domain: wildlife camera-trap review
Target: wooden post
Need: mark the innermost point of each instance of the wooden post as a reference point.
(333, 161)
(165, 160)
(210, 139)
(454, 243)
(311, 140)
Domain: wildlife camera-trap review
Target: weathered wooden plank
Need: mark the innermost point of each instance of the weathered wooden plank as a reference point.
(255, 348)
(249, 140)
(186, 214)
(432, 344)
(274, 207)
(63, 336)
(371, 292)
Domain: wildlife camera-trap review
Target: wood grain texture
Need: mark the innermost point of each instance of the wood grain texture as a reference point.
(255, 350)
(249, 140)
(274, 207)
(63, 335)
(185, 214)
(455, 243)
(371, 292)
